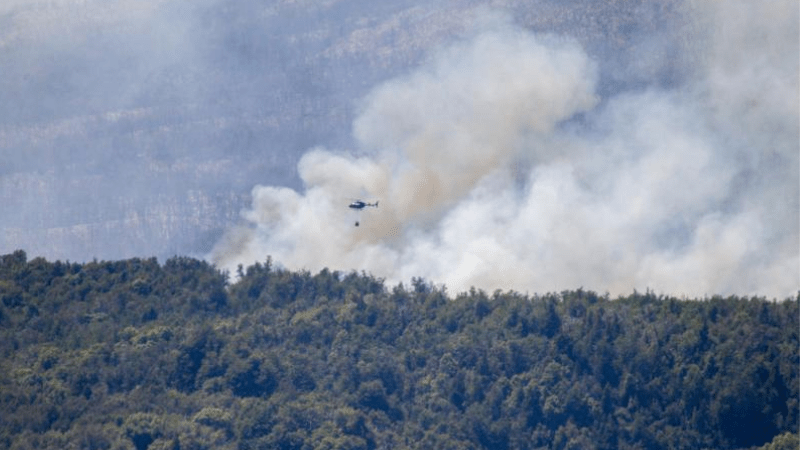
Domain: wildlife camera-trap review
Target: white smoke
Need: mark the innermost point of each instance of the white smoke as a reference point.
(497, 166)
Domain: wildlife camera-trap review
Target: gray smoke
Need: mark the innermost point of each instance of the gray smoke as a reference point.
(501, 163)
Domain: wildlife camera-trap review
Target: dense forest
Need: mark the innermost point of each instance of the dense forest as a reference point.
(135, 354)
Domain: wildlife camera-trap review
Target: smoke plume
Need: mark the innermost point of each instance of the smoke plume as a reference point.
(498, 165)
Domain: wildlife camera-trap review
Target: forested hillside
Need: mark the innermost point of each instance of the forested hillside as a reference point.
(140, 355)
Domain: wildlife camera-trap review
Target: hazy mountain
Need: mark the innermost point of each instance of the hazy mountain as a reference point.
(139, 127)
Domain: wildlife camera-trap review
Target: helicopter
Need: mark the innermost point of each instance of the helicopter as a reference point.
(358, 205)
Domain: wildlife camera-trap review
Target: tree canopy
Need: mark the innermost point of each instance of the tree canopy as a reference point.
(139, 355)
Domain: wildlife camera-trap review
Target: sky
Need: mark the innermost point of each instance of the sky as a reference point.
(512, 145)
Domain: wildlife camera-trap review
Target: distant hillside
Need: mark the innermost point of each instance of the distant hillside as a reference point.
(134, 354)
(139, 131)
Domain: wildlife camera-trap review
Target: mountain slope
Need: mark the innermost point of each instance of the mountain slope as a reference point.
(133, 354)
